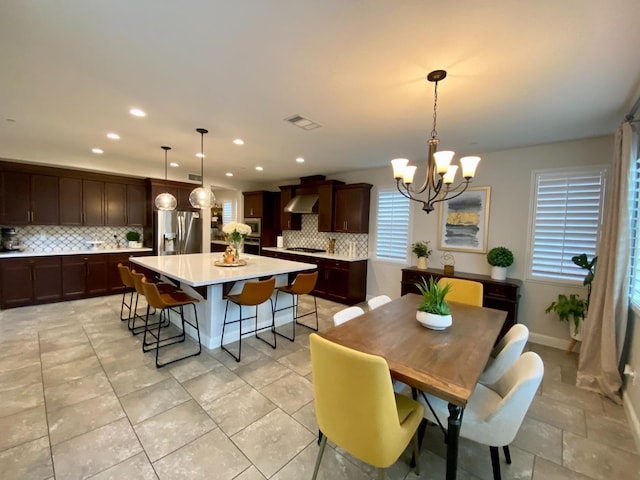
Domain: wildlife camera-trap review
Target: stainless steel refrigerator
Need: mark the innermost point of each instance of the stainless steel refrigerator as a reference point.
(177, 232)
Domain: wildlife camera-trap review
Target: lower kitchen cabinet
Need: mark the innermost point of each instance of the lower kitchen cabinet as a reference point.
(84, 276)
(338, 280)
(29, 281)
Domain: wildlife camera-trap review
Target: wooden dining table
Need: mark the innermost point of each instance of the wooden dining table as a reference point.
(445, 363)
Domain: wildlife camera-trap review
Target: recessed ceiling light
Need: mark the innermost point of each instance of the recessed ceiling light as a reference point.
(136, 112)
(174, 164)
(259, 169)
(200, 155)
(229, 174)
(97, 150)
(113, 136)
(238, 141)
(300, 160)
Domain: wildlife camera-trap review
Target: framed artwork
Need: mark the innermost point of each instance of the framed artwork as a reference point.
(464, 221)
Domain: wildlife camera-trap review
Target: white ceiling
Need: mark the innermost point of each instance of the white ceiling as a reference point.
(520, 73)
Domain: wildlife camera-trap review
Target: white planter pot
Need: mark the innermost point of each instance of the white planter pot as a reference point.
(135, 244)
(435, 322)
(423, 263)
(499, 273)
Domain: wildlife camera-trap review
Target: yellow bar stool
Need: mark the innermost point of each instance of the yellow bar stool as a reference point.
(252, 294)
(165, 303)
(303, 284)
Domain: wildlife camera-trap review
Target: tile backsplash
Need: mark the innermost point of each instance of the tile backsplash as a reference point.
(50, 238)
(309, 236)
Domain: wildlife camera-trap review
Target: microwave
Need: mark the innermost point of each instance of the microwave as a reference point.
(255, 224)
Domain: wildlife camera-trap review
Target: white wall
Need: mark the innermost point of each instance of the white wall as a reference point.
(508, 173)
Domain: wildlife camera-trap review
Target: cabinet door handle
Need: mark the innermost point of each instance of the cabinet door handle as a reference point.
(289, 224)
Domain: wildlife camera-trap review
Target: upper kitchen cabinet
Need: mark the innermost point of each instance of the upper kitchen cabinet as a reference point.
(288, 221)
(26, 198)
(136, 205)
(351, 208)
(92, 203)
(70, 200)
(254, 204)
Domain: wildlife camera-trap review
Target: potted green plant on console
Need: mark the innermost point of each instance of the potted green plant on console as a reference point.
(499, 258)
(422, 251)
(433, 312)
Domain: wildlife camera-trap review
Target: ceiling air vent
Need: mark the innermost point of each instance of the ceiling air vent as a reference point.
(303, 123)
(195, 177)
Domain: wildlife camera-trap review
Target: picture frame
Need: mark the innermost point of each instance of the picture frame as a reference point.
(463, 224)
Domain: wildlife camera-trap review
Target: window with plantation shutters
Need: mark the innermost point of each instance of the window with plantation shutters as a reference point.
(227, 212)
(634, 283)
(392, 228)
(567, 214)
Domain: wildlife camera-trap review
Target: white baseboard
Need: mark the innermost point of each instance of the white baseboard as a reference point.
(634, 423)
(555, 342)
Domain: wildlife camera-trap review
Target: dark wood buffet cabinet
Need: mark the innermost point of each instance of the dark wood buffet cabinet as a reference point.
(498, 294)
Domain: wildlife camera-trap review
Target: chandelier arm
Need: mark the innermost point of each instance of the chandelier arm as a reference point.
(427, 207)
(446, 192)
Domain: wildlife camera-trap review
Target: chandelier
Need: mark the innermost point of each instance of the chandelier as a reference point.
(165, 201)
(440, 173)
(201, 197)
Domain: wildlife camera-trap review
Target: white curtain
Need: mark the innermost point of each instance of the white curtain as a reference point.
(606, 322)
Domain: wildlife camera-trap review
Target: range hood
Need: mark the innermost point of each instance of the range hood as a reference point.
(302, 204)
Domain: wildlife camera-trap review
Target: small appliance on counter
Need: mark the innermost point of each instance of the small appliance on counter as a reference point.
(10, 240)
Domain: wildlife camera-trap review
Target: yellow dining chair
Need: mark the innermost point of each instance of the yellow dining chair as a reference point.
(356, 406)
(463, 291)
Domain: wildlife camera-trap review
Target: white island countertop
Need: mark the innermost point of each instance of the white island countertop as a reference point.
(198, 269)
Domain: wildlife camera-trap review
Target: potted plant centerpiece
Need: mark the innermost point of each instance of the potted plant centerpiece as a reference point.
(573, 308)
(236, 233)
(422, 251)
(134, 239)
(499, 258)
(433, 312)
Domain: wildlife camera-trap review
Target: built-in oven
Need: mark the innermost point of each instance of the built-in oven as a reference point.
(256, 227)
(252, 245)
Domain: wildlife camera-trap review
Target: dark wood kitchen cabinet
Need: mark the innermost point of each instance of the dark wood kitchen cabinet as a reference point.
(27, 199)
(84, 275)
(254, 204)
(180, 190)
(325, 207)
(92, 203)
(29, 281)
(351, 208)
(115, 201)
(136, 205)
(498, 294)
(70, 200)
(288, 221)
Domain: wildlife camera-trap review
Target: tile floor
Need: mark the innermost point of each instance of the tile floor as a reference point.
(78, 399)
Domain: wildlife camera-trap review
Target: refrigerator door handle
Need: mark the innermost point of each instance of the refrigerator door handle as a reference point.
(180, 222)
(189, 232)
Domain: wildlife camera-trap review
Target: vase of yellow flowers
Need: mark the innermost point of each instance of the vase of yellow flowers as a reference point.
(235, 234)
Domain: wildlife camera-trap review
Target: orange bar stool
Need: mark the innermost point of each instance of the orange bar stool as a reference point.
(137, 283)
(302, 285)
(252, 294)
(165, 303)
(127, 281)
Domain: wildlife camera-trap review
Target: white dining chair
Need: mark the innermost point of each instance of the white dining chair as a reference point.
(346, 314)
(494, 413)
(507, 351)
(378, 301)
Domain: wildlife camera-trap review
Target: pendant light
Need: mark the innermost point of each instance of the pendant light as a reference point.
(165, 201)
(201, 197)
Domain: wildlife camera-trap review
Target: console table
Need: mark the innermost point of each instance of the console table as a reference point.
(498, 294)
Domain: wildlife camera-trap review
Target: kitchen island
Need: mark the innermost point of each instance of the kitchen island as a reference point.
(197, 275)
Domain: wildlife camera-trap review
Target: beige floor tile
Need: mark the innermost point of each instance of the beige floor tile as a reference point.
(240, 408)
(290, 393)
(213, 452)
(20, 378)
(613, 410)
(128, 381)
(249, 355)
(30, 460)
(82, 417)
(434, 467)
(263, 372)
(76, 391)
(298, 361)
(13, 347)
(273, 441)
(20, 399)
(283, 346)
(66, 355)
(19, 360)
(95, 451)
(172, 429)
(306, 416)
(212, 385)
(65, 338)
(251, 473)
(573, 396)
(152, 400)
(598, 461)
(136, 467)
(23, 427)
(540, 439)
(193, 367)
(546, 470)
(610, 432)
(74, 370)
(133, 358)
(559, 414)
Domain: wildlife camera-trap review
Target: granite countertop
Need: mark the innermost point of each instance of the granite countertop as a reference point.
(329, 256)
(32, 253)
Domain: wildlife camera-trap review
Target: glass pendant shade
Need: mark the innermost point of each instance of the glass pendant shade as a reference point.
(201, 197)
(165, 201)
